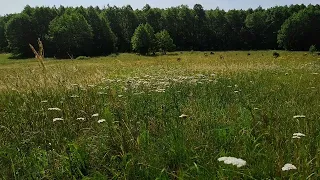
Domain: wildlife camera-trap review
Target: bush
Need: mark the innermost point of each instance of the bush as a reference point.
(312, 49)
(276, 54)
(82, 58)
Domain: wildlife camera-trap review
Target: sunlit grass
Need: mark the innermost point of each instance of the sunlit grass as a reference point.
(136, 117)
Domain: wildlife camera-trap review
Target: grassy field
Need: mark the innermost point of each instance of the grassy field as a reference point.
(119, 117)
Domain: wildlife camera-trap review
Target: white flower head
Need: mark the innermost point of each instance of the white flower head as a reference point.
(57, 119)
(95, 115)
(54, 109)
(183, 116)
(297, 135)
(74, 96)
(299, 116)
(234, 161)
(101, 120)
(44, 101)
(81, 119)
(288, 167)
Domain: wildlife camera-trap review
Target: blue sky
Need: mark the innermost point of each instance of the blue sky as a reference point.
(12, 6)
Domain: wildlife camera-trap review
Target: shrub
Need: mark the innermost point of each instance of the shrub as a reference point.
(276, 54)
(82, 58)
(312, 49)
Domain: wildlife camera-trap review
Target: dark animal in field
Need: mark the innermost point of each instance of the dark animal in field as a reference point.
(318, 53)
(178, 59)
(212, 53)
(248, 54)
(276, 55)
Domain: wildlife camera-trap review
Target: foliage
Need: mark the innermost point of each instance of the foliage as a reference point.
(71, 34)
(312, 49)
(19, 33)
(288, 27)
(301, 30)
(275, 54)
(3, 39)
(164, 41)
(143, 39)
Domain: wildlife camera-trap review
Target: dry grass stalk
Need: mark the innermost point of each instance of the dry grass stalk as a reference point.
(39, 55)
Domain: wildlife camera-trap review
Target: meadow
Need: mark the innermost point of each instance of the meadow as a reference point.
(165, 117)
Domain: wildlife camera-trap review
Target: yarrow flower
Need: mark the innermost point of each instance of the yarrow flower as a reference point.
(80, 119)
(95, 115)
(101, 120)
(44, 101)
(54, 109)
(297, 135)
(234, 161)
(288, 167)
(74, 96)
(57, 119)
(299, 116)
(183, 116)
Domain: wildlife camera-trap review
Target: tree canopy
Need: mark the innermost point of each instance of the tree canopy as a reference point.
(71, 34)
(111, 29)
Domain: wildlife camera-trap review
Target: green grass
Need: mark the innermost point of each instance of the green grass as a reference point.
(242, 106)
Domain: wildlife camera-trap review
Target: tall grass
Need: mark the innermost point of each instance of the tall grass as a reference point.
(236, 107)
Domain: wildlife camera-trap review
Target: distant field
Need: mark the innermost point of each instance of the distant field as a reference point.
(117, 117)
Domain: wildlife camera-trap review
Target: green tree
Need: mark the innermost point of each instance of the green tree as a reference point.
(71, 34)
(19, 33)
(301, 30)
(143, 39)
(164, 42)
(3, 39)
(103, 42)
(256, 24)
(151, 36)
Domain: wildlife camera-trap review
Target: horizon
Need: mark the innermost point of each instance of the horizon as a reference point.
(18, 5)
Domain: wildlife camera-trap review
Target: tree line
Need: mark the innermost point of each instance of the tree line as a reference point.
(68, 32)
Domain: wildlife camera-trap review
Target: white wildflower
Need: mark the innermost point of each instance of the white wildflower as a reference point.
(236, 91)
(299, 116)
(95, 115)
(81, 119)
(288, 167)
(120, 96)
(101, 120)
(44, 101)
(234, 161)
(297, 135)
(74, 96)
(183, 116)
(315, 73)
(57, 119)
(91, 85)
(54, 109)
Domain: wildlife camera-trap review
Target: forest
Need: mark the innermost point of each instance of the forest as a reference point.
(69, 32)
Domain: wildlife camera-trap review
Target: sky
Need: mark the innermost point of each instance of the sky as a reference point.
(15, 6)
